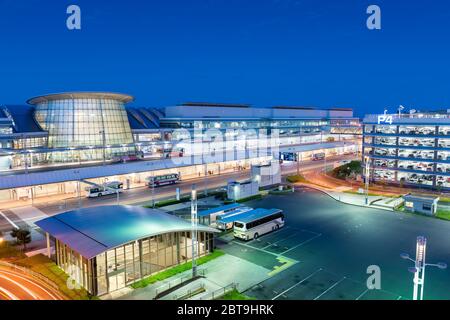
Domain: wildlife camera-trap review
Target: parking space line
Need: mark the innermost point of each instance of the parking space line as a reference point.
(300, 244)
(304, 230)
(254, 248)
(330, 288)
(270, 233)
(271, 244)
(298, 283)
(362, 294)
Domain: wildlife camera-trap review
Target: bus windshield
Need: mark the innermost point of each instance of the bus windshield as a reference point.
(239, 225)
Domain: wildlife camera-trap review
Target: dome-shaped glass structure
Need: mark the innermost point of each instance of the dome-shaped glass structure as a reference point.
(84, 119)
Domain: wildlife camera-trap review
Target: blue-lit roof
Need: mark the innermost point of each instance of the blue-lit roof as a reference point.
(143, 118)
(91, 231)
(218, 209)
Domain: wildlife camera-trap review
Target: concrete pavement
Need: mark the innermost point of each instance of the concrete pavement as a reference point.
(218, 273)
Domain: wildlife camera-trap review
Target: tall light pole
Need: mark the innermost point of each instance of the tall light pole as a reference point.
(194, 226)
(367, 176)
(419, 267)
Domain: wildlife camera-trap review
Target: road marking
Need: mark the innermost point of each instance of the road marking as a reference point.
(361, 295)
(285, 264)
(252, 247)
(300, 244)
(7, 219)
(270, 233)
(304, 230)
(298, 283)
(330, 288)
(274, 243)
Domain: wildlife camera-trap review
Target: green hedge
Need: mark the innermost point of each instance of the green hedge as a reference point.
(255, 197)
(46, 267)
(175, 270)
(296, 178)
(286, 190)
(235, 295)
(344, 171)
(443, 214)
(200, 195)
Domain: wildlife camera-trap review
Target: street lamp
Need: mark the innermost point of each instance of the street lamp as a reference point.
(367, 174)
(419, 266)
(194, 226)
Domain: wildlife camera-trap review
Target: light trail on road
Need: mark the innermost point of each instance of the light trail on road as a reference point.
(16, 285)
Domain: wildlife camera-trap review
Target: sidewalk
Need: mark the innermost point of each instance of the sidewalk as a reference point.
(338, 194)
(219, 273)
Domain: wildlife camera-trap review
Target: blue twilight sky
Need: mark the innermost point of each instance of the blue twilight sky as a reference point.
(262, 52)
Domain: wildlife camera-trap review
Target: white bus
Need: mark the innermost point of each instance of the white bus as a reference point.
(163, 180)
(258, 222)
(226, 221)
(107, 189)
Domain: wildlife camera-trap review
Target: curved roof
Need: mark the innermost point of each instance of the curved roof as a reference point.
(23, 119)
(91, 231)
(81, 95)
(142, 118)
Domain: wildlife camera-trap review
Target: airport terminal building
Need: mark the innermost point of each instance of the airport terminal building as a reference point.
(107, 248)
(413, 150)
(103, 137)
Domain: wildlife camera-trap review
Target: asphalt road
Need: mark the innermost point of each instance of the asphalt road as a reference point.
(334, 244)
(15, 285)
(144, 195)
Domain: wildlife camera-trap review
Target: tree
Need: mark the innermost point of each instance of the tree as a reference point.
(22, 236)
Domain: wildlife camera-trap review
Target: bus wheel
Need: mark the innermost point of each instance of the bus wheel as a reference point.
(277, 227)
(255, 236)
(100, 195)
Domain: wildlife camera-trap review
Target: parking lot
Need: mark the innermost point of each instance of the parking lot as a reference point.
(325, 248)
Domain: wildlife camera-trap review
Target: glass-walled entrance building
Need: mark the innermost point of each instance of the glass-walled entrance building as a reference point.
(106, 249)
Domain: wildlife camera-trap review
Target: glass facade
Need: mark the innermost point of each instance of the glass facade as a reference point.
(84, 122)
(123, 265)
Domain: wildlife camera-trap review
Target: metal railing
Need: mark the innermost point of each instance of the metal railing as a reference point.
(219, 292)
(190, 293)
(169, 285)
(30, 272)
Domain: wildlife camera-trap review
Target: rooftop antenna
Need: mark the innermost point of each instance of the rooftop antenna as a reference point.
(400, 108)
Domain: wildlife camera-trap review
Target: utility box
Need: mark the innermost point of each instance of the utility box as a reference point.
(240, 190)
(268, 174)
(421, 204)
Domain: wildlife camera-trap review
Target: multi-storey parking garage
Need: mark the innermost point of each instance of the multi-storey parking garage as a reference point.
(413, 150)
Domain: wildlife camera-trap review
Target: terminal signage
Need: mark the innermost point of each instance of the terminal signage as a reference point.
(385, 118)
